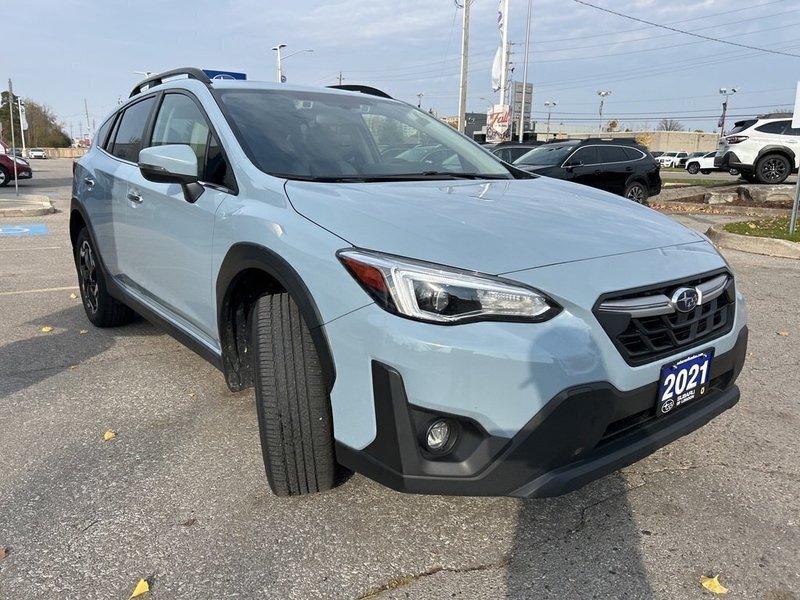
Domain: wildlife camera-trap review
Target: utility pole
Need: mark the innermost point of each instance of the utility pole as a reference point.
(278, 71)
(462, 100)
(340, 78)
(525, 75)
(86, 107)
(725, 92)
(602, 94)
(549, 104)
(504, 70)
(419, 99)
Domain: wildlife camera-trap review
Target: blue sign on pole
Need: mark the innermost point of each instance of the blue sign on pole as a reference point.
(224, 74)
(20, 230)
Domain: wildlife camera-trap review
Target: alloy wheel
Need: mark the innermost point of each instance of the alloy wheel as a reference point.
(636, 193)
(773, 169)
(90, 288)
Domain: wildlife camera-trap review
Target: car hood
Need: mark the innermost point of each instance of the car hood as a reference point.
(492, 227)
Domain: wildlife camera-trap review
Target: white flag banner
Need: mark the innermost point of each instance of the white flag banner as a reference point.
(22, 118)
(497, 69)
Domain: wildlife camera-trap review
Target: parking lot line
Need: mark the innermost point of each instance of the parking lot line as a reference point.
(40, 290)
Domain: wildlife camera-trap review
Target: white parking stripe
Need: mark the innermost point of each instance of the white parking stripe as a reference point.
(55, 289)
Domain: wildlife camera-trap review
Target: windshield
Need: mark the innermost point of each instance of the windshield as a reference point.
(344, 137)
(548, 154)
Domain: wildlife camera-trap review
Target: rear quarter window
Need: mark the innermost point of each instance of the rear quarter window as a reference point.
(776, 127)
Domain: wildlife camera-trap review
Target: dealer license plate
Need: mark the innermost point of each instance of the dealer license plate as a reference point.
(684, 381)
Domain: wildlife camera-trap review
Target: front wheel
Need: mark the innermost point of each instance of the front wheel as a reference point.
(3, 177)
(294, 416)
(733, 171)
(772, 168)
(694, 168)
(102, 309)
(637, 192)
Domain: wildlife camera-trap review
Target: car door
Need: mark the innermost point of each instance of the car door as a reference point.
(114, 172)
(613, 170)
(173, 237)
(581, 165)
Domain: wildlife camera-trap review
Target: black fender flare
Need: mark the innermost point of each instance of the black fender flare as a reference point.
(775, 149)
(246, 256)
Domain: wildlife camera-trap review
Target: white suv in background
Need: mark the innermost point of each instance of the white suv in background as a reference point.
(764, 149)
(672, 159)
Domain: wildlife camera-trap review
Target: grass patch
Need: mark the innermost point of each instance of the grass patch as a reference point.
(777, 228)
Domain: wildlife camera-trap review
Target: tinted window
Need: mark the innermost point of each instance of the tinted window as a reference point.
(180, 121)
(610, 154)
(128, 139)
(632, 153)
(742, 125)
(774, 127)
(298, 134)
(549, 154)
(584, 156)
(791, 131)
(101, 135)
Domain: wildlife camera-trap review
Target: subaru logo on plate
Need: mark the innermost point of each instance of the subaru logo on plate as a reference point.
(685, 299)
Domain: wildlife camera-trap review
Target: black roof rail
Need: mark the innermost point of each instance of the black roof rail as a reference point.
(190, 72)
(364, 89)
(775, 115)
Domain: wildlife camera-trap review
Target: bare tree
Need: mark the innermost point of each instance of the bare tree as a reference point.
(670, 125)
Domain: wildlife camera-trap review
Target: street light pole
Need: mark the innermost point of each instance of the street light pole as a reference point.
(278, 71)
(727, 93)
(462, 95)
(549, 104)
(419, 99)
(23, 122)
(602, 94)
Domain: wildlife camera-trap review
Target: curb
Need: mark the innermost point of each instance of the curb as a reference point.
(722, 209)
(754, 245)
(28, 205)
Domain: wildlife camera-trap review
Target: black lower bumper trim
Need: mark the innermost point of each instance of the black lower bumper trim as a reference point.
(582, 434)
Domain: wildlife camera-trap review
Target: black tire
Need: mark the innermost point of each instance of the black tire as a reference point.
(294, 415)
(751, 177)
(693, 168)
(773, 168)
(705, 171)
(733, 171)
(4, 178)
(101, 308)
(637, 192)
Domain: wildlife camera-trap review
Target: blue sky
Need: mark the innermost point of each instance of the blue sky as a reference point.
(59, 52)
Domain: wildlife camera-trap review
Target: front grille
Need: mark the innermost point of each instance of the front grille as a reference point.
(642, 336)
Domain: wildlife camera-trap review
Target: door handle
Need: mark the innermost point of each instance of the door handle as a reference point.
(134, 197)
(89, 181)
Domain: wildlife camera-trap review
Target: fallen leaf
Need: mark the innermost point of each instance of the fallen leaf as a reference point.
(783, 333)
(713, 585)
(4, 552)
(71, 367)
(74, 296)
(47, 329)
(751, 225)
(189, 522)
(141, 588)
(82, 331)
(109, 435)
(191, 394)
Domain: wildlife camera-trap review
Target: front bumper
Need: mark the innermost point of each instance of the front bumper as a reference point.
(582, 433)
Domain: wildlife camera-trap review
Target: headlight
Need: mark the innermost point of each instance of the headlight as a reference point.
(437, 294)
(22, 162)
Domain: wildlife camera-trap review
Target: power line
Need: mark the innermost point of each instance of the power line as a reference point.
(697, 35)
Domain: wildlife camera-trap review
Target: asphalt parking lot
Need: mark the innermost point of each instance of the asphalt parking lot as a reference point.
(179, 497)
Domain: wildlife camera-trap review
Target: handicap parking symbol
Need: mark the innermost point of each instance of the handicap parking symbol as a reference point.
(20, 230)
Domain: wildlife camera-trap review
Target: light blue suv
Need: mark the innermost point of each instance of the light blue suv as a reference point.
(436, 320)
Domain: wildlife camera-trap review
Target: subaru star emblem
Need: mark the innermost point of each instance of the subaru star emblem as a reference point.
(685, 299)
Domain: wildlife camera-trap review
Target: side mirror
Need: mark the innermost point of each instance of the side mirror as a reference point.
(172, 163)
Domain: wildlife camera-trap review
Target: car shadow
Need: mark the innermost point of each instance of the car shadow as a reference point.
(582, 545)
(45, 353)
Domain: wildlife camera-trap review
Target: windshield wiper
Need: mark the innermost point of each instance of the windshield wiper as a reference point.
(442, 175)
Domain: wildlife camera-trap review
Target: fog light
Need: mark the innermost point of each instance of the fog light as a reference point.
(438, 435)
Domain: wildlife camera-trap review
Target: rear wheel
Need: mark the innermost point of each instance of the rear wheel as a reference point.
(637, 192)
(3, 177)
(772, 168)
(294, 416)
(101, 308)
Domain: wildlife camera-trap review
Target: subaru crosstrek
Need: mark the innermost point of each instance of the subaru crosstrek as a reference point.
(765, 149)
(442, 323)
